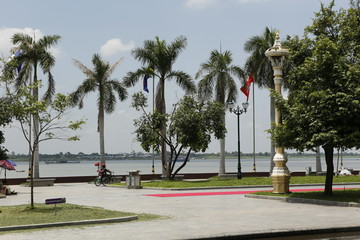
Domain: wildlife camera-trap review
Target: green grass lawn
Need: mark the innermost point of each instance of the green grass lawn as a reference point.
(24, 215)
(348, 195)
(216, 182)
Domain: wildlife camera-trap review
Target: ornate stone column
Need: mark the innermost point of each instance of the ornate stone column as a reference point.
(281, 174)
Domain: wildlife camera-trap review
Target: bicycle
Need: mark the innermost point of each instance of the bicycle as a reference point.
(104, 179)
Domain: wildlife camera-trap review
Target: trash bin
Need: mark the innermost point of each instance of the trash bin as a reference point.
(308, 171)
(133, 180)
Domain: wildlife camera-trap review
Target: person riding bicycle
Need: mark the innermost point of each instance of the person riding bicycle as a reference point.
(104, 172)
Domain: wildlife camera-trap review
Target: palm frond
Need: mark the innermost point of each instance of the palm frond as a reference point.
(257, 63)
(205, 88)
(218, 81)
(83, 68)
(89, 85)
(119, 89)
(232, 90)
(48, 41)
(21, 38)
(109, 99)
(132, 78)
(183, 80)
(47, 61)
(24, 76)
(114, 66)
(50, 89)
(178, 45)
(33, 54)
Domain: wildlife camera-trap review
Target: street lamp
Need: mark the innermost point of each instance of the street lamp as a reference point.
(238, 112)
(281, 174)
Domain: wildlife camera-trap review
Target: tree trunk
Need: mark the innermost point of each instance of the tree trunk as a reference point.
(222, 157)
(318, 160)
(329, 159)
(161, 107)
(101, 133)
(186, 160)
(36, 157)
(272, 144)
(32, 180)
(222, 154)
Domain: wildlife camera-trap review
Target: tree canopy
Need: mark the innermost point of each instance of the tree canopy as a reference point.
(158, 58)
(323, 105)
(217, 82)
(99, 80)
(188, 128)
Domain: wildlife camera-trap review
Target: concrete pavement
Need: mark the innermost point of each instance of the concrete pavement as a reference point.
(186, 217)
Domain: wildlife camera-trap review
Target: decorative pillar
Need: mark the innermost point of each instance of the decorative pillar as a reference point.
(280, 174)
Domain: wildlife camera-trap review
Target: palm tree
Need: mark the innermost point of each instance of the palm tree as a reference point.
(258, 64)
(33, 54)
(157, 58)
(99, 80)
(217, 82)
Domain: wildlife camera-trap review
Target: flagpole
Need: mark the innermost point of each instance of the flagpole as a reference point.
(254, 163)
(246, 90)
(153, 106)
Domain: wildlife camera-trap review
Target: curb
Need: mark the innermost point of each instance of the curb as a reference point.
(305, 200)
(243, 186)
(72, 223)
(208, 188)
(286, 233)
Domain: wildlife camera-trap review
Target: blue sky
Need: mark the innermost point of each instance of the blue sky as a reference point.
(114, 27)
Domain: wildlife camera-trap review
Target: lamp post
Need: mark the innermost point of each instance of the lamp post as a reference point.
(281, 174)
(238, 112)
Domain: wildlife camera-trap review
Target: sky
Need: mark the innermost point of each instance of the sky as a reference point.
(113, 28)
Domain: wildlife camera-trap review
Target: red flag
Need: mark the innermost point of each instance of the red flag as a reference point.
(246, 89)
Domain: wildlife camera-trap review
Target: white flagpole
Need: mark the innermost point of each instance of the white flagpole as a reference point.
(153, 106)
(254, 163)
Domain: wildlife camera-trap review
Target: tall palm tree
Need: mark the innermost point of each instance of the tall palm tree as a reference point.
(217, 82)
(258, 64)
(35, 53)
(157, 59)
(99, 80)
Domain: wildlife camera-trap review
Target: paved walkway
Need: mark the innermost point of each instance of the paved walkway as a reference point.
(189, 217)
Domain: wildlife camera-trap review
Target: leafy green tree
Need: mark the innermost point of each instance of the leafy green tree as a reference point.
(259, 65)
(5, 118)
(5, 114)
(188, 128)
(323, 105)
(217, 82)
(34, 54)
(157, 59)
(99, 80)
(51, 116)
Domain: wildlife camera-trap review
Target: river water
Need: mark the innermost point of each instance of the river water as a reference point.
(121, 167)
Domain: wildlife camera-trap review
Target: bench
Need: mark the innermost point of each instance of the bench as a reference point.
(41, 182)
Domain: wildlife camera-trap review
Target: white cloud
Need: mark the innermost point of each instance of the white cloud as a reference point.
(199, 4)
(7, 33)
(114, 46)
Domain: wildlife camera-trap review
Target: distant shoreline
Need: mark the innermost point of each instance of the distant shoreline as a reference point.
(51, 158)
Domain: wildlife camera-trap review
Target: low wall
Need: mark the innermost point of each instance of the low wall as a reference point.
(75, 179)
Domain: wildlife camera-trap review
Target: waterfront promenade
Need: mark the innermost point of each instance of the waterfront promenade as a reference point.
(185, 217)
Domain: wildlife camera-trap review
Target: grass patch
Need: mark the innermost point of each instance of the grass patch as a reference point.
(24, 215)
(348, 195)
(321, 179)
(249, 181)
